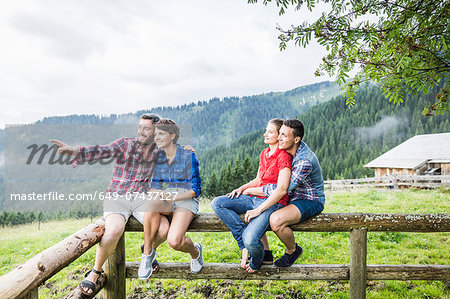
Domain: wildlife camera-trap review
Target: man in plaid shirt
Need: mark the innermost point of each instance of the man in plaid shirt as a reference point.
(133, 169)
(306, 192)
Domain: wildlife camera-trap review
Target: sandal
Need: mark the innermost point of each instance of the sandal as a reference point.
(94, 287)
(155, 264)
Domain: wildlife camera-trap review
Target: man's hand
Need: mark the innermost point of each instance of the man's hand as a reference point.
(250, 214)
(188, 148)
(236, 192)
(65, 149)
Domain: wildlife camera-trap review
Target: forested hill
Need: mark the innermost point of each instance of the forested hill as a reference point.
(344, 139)
(213, 122)
(221, 121)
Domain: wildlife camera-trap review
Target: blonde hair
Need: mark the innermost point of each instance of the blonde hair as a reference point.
(278, 122)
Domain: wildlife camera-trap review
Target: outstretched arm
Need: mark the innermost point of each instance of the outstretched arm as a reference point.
(65, 149)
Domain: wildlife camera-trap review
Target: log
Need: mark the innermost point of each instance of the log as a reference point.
(296, 272)
(31, 274)
(34, 294)
(233, 271)
(408, 272)
(335, 222)
(358, 255)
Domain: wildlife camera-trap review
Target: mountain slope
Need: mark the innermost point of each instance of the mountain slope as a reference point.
(343, 139)
(221, 121)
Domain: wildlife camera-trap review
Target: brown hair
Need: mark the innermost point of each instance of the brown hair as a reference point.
(170, 126)
(153, 117)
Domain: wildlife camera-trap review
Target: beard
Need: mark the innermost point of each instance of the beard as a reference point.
(144, 141)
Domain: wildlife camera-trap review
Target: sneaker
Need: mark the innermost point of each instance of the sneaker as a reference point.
(268, 257)
(145, 268)
(288, 260)
(155, 264)
(197, 264)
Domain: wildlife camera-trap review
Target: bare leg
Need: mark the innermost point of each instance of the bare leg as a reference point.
(244, 259)
(163, 230)
(265, 242)
(154, 232)
(151, 225)
(177, 232)
(114, 227)
(280, 221)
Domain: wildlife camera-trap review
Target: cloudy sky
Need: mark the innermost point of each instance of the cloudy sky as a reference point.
(104, 56)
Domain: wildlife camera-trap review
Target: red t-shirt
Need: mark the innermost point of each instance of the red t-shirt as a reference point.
(270, 167)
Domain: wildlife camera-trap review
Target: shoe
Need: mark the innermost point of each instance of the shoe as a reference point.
(155, 264)
(197, 264)
(268, 257)
(94, 287)
(145, 268)
(288, 260)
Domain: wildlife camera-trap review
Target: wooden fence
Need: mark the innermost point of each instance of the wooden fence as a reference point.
(24, 280)
(394, 181)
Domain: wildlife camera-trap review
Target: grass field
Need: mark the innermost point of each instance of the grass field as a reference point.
(17, 244)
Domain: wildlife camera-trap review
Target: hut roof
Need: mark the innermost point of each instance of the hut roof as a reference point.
(414, 152)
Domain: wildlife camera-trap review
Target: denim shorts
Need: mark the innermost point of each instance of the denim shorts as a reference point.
(308, 208)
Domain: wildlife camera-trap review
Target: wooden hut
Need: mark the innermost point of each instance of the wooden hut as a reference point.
(421, 154)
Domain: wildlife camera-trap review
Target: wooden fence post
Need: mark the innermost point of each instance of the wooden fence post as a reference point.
(358, 254)
(115, 287)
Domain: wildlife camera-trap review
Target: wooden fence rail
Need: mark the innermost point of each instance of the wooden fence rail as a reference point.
(393, 181)
(26, 278)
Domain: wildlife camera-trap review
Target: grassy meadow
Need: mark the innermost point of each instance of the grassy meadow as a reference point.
(19, 243)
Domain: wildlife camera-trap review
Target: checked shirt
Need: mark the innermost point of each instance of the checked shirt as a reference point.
(306, 178)
(131, 172)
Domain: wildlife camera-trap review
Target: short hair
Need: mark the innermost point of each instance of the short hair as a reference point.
(153, 117)
(277, 122)
(170, 126)
(297, 126)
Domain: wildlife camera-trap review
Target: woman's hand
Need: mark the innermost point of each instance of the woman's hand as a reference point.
(250, 214)
(236, 192)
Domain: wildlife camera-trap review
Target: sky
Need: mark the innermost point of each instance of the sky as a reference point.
(104, 56)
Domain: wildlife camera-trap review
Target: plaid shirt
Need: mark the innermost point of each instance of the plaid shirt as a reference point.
(183, 172)
(302, 185)
(131, 173)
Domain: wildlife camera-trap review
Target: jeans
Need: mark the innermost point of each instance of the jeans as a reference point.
(248, 236)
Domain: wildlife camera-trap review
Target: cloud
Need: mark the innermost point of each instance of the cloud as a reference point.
(62, 38)
(380, 128)
(103, 57)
